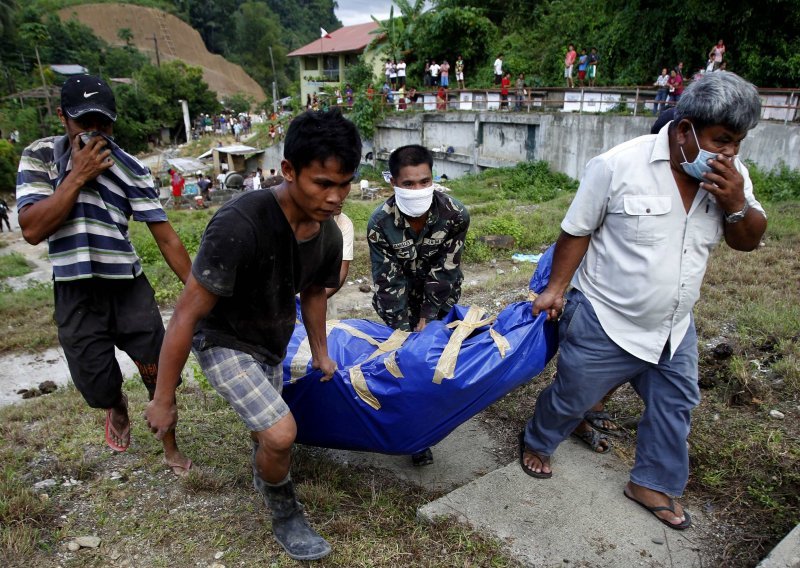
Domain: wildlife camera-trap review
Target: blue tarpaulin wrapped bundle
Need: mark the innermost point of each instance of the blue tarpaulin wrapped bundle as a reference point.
(397, 392)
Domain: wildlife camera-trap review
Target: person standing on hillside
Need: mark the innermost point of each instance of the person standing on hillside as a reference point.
(505, 84)
(435, 68)
(716, 54)
(393, 75)
(78, 191)
(401, 73)
(662, 82)
(444, 73)
(583, 65)
(520, 91)
(498, 69)
(569, 61)
(416, 238)
(237, 313)
(460, 72)
(177, 184)
(652, 208)
(594, 59)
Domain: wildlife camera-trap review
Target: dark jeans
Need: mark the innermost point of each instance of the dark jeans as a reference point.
(658, 106)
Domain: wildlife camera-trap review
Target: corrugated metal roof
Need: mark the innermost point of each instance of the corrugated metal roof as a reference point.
(346, 39)
(69, 69)
(232, 149)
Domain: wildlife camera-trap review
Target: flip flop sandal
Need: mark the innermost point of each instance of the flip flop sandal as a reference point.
(125, 434)
(595, 419)
(592, 438)
(679, 527)
(526, 469)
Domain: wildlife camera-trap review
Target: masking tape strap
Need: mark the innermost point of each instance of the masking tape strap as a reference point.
(391, 365)
(356, 332)
(359, 383)
(394, 342)
(446, 366)
(501, 342)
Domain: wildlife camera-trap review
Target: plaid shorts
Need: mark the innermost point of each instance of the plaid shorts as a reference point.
(252, 388)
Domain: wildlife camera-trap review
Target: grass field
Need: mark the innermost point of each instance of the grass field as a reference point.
(745, 464)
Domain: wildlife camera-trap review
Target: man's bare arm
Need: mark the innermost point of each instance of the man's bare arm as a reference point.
(313, 304)
(172, 249)
(194, 303)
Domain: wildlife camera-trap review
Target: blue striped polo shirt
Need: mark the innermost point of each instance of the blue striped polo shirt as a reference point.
(93, 241)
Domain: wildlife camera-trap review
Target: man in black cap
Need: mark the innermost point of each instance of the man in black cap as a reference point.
(78, 191)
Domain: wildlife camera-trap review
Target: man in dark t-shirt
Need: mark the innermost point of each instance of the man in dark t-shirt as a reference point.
(237, 312)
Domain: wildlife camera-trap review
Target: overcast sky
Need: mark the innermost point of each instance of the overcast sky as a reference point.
(352, 12)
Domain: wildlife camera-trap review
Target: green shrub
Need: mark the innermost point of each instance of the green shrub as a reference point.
(534, 182)
(505, 225)
(475, 251)
(779, 184)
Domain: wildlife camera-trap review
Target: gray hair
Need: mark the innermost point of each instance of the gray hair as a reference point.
(720, 97)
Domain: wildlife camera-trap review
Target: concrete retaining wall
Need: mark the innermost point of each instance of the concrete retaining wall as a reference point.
(567, 141)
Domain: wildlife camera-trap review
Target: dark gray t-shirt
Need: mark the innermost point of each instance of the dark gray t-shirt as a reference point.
(251, 259)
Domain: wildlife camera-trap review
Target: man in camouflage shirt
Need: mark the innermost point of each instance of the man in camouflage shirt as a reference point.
(416, 238)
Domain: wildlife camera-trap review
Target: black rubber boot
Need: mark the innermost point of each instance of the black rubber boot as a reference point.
(289, 524)
(425, 457)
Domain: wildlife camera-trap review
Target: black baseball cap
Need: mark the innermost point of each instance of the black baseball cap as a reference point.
(82, 94)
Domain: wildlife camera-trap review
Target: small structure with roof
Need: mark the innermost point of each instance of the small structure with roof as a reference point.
(325, 60)
(69, 69)
(234, 158)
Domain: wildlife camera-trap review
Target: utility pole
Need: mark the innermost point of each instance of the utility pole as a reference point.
(274, 91)
(155, 40)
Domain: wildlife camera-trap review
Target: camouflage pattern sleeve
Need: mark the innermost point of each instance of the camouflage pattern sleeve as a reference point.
(443, 282)
(391, 298)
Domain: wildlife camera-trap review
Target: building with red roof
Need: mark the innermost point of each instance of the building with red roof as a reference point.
(325, 60)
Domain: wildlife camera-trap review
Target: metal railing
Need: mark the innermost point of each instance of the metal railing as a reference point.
(777, 104)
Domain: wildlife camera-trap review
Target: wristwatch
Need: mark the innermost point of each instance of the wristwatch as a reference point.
(731, 218)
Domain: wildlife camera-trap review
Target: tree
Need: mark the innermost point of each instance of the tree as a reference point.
(7, 11)
(239, 103)
(8, 167)
(126, 35)
(450, 32)
(36, 34)
(152, 102)
(396, 37)
(256, 31)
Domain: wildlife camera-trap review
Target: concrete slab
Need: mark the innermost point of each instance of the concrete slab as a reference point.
(466, 454)
(786, 554)
(577, 518)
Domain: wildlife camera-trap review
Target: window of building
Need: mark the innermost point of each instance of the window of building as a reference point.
(331, 70)
(310, 63)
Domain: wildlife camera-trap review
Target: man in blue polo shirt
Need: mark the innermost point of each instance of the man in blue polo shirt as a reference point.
(78, 192)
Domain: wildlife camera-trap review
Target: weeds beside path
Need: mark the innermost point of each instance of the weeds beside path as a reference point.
(147, 517)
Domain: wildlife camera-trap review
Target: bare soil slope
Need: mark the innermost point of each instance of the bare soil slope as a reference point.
(176, 40)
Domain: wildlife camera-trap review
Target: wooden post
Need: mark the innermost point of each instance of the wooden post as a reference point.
(636, 102)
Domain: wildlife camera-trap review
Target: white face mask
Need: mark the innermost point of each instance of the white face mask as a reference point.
(413, 202)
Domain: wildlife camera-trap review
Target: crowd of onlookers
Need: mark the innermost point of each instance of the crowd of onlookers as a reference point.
(236, 125)
(671, 82)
